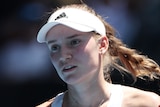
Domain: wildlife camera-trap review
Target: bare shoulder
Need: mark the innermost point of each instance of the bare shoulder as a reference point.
(138, 98)
(46, 104)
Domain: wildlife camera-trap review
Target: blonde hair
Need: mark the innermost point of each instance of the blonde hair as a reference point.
(122, 57)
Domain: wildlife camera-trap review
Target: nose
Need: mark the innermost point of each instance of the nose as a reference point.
(66, 56)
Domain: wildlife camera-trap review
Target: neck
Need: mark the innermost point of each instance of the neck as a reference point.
(92, 92)
(90, 95)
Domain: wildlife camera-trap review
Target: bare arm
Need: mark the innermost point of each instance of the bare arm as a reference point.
(139, 98)
(150, 99)
(46, 104)
(157, 100)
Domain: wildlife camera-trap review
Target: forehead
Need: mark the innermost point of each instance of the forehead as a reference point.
(61, 31)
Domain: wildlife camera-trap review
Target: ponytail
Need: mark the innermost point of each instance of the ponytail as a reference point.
(132, 61)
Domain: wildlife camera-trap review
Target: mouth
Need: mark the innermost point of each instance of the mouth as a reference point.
(68, 68)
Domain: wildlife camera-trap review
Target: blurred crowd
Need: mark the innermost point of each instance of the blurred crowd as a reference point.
(27, 77)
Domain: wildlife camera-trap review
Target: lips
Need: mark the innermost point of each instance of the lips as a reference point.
(68, 68)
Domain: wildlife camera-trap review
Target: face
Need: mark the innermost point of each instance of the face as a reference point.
(74, 54)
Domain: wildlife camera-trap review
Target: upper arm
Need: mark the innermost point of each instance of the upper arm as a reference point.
(150, 99)
(139, 98)
(156, 99)
(46, 104)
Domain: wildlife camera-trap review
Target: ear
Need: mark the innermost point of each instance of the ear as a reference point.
(103, 45)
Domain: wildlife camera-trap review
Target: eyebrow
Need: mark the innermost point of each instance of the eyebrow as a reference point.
(70, 37)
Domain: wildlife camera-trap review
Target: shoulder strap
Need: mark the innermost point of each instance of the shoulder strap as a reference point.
(116, 96)
(58, 100)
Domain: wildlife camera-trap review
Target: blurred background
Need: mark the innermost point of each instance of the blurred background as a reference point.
(27, 77)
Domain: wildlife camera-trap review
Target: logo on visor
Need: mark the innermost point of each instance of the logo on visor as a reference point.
(62, 15)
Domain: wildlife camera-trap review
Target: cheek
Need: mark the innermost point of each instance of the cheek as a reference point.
(92, 54)
(79, 52)
(88, 53)
(54, 59)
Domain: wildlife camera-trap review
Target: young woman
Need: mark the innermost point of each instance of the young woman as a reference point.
(83, 48)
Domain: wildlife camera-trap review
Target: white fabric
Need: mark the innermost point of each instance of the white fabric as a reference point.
(116, 96)
(115, 99)
(74, 18)
(58, 100)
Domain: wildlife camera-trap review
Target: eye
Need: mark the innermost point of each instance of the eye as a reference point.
(54, 48)
(75, 42)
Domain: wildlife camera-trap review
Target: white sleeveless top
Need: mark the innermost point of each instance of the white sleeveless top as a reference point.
(115, 99)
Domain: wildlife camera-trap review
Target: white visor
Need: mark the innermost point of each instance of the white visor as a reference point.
(74, 18)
